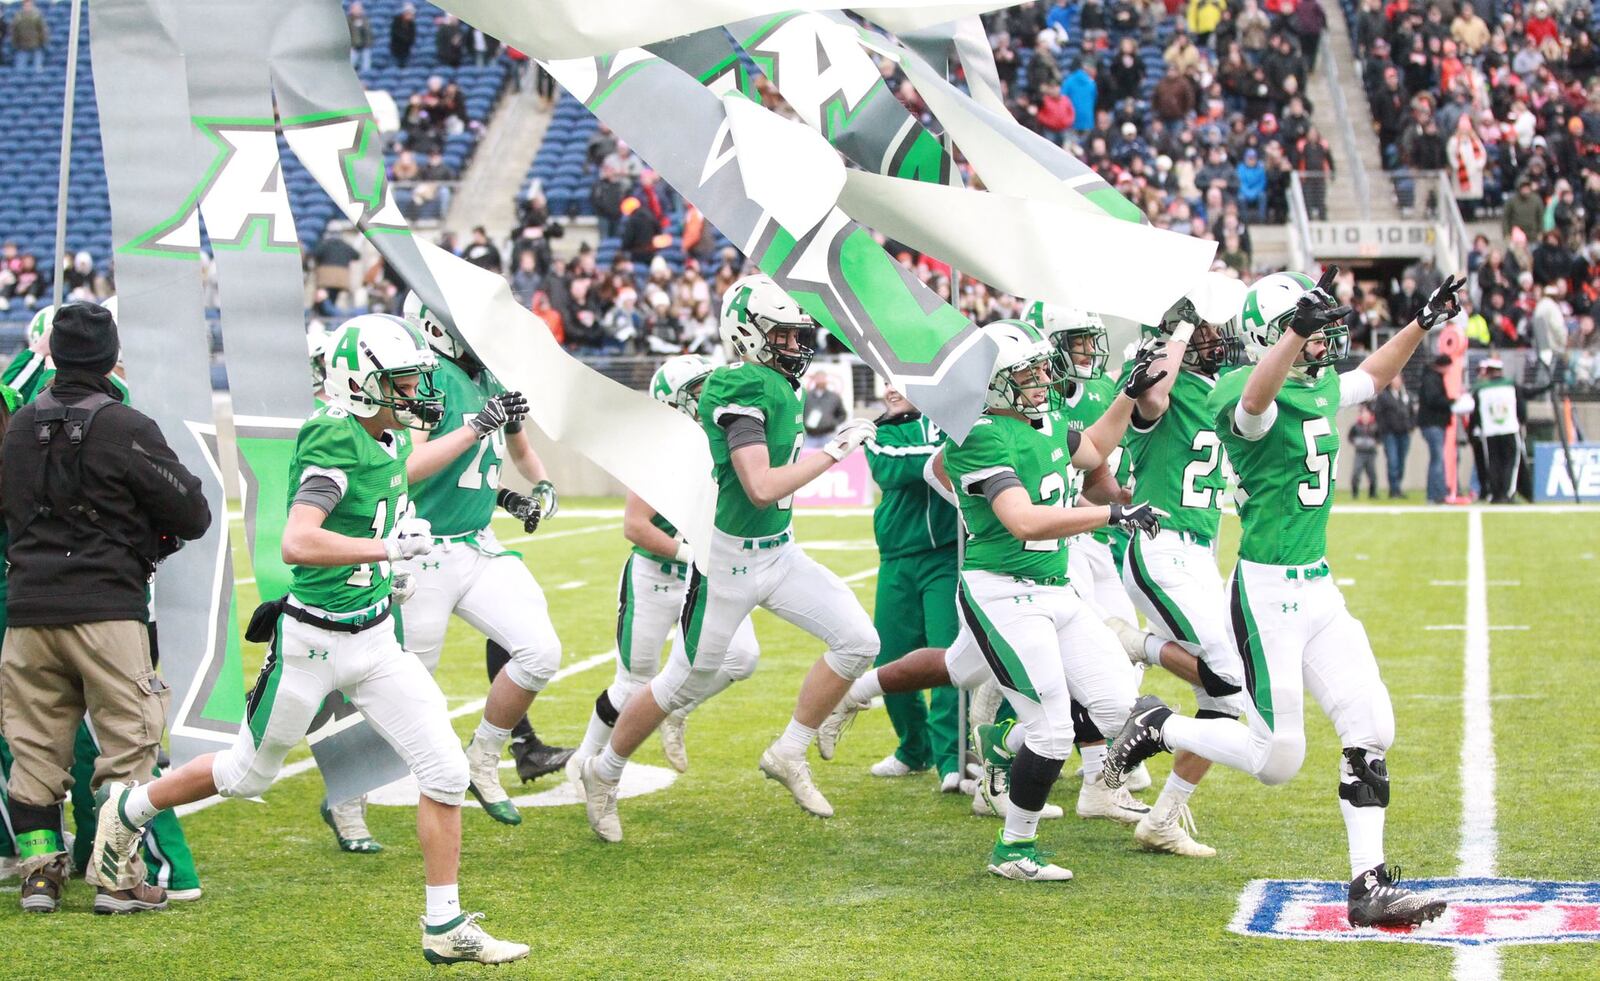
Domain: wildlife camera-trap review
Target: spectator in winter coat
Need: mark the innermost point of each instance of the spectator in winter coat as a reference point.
(1174, 96)
(1469, 30)
(1467, 157)
(29, 36)
(403, 35)
(1252, 177)
(1308, 22)
(1080, 89)
(1524, 210)
(1433, 415)
(1396, 411)
(360, 37)
(1364, 437)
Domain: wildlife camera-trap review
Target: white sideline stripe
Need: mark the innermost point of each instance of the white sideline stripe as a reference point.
(1463, 582)
(1479, 840)
(858, 576)
(547, 536)
(574, 584)
(310, 763)
(1468, 626)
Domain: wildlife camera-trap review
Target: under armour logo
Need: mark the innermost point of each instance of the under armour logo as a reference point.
(1095, 397)
(1022, 598)
(317, 655)
(740, 570)
(431, 565)
(1322, 403)
(658, 588)
(1290, 607)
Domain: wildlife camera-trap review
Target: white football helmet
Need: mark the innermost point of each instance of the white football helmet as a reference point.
(1074, 333)
(365, 357)
(1019, 347)
(752, 309)
(1269, 305)
(41, 322)
(1213, 308)
(425, 320)
(678, 381)
(316, 348)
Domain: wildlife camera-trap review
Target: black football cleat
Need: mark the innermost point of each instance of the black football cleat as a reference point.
(1139, 740)
(534, 758)
(1377, 899)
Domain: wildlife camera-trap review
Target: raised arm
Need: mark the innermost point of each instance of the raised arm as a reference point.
(1102, 439)
(429, 456)
(1387, 361)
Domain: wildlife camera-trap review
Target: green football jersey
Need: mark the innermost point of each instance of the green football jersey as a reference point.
(373, 475)
(460, 498)
(1286, 477)
(25, 374)
(1039, 459)
(665, 526)
(1083, 407)
(776, 401)
(1179, 460)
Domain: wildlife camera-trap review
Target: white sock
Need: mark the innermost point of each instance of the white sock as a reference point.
(595, 737)
(1020, 825)
(1177, 787)
(1152, 650)
(138, 809)
(491, 736)
(796, 739)
(608, 765)
(1219, 740)
(865, 688)
(1015, 738)
(1094, 759)
(443, 905)
(1364, 827)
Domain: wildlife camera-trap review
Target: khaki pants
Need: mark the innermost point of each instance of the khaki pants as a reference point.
(50, 678)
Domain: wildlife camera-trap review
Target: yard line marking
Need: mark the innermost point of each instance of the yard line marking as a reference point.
(574, 584)
(1479, 840)
(1463, 582)
(1468, 626)
(476, 705)
(858, 576)
(547, 536)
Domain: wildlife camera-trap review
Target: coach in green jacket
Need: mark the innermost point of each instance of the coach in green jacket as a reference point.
(916, 604)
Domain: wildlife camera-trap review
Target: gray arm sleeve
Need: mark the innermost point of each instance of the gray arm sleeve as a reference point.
(743, 431)
(990, 487)
(319, 491)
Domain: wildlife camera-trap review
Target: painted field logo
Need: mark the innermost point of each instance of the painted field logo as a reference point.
(1481, 911)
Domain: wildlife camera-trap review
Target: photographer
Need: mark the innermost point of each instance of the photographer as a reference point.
(92, 497)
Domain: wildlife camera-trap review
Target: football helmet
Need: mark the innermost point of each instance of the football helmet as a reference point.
(1212, 308)
(754, 307)
(364, 359)
(41, 322)
(425, 320)
(1020, 348)
(678, 381)
(316, 348)
(1074, 333)
(1269, 305)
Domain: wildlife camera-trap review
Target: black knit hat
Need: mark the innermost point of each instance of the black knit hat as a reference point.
(84, 336)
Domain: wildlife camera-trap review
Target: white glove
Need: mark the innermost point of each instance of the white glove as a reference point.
(411, 537)
(402, 586)
(849, 437)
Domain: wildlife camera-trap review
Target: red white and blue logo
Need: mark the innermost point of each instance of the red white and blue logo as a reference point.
(1481, 911)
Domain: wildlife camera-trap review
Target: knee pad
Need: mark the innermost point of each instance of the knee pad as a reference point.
(1284, 752)
(853, 661)
(444, 777)
(1083, 728)
(1363, 779)
(531, 668)
(606, 708)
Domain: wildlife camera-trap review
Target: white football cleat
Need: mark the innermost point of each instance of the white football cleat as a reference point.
(483, 769)
(1137, 780)
(890, 766)
(1132, 639)
(1024, 861)
(1096, 800)
(600, 802)
(1169, 827)
(184, 895)
(982, 806)
(672, 744)
(115, 840)
(462, 940)
(796, 775)
(951, 783)
(573, 769)
(833, 727)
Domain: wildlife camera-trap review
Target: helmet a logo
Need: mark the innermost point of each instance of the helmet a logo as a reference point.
(740, 305)
(1035, 315)
(1252, 313)
(347, 351)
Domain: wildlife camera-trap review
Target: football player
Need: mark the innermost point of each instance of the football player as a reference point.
(348, 523)
(1173, 576)
(751, 413)
(650, 596)
(1287, 619)
(468, 572)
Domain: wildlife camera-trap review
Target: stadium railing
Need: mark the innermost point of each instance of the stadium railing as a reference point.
(1350, 161)
(1299, 223)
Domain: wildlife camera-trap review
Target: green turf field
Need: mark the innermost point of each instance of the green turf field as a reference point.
(722, 875)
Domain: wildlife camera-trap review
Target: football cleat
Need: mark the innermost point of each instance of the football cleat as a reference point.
(951, 783)
(795, 774)
(996, 758)
(141, 898)
(184, 895)
(463, 940)
(573, 770)
(996, 804)
(349, 824)
(890, 766)
(833, 727)
(483, 767)
(534, 758)
(1138, 779)
(1139, 739)
(1377, 899)
(672, 744)
(1096, 800)
(1024, 861)
(116, 841)
(599, 802)
(1170, 828)
(1132, 639)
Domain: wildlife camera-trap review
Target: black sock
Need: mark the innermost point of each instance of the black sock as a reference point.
(1032, 776)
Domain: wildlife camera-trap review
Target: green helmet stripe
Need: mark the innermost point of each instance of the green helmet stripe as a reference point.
(1302, 279)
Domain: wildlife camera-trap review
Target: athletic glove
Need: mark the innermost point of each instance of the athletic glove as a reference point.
(411, 537)
(402, 586)
(544, 494)
(525, 509)
(1443, 305)
(499, 412)
(1317, 309)
(849, 437)
(1140, 380)
(1134, 518)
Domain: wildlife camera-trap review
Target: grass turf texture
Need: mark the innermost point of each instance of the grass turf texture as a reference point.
(722, 875)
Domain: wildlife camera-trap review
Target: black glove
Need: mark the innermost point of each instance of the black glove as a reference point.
(1135, 518)
(1317, 309)
(499, 412)
(1140, 380)
(1443, 304)
(524, 509)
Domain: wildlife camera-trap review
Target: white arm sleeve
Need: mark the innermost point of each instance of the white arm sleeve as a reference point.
(1253, 427)
(933, 481)
(1356, 387)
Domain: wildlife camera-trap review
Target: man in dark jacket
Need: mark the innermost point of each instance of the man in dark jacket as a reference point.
(1396, 409)
(92, 497)
(1433, 416)
(403, 34)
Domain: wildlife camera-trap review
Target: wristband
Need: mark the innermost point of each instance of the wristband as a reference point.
(684, 554)
(1181, 333)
